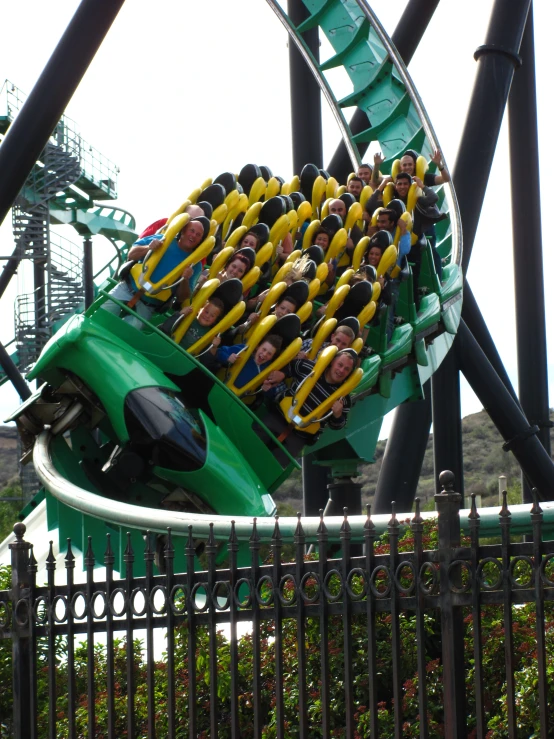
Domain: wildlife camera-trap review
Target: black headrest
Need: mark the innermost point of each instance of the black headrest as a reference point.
(280, 179)
(206, 207)
(288, 328)
(247, 252)
(382, 239)
(358, 297)
(261, 230)
(228, 180)
(214, 194)
(324, 173)
(370, 272)
(307, 178)
(348, 199)
(331, 224)
(206, 225)
(271, 210)
(230, 292)
(289, 205)
(315, 253)
(398, 206)
(352, 322)
(267, 174)
(248, 175)
(298, 291)
(297, 198)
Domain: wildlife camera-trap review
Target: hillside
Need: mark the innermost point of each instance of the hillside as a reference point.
(484, 461)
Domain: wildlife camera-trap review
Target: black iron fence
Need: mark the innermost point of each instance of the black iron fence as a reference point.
(422, 633)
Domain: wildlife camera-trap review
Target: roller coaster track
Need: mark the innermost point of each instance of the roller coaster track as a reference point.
(382, 88)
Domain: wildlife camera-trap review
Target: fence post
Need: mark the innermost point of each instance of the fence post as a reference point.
(21, 613)
(448, 507)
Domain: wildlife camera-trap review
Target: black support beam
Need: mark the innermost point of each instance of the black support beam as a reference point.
(527, 236)
(497, 60)
(305, 96)
(404, 454)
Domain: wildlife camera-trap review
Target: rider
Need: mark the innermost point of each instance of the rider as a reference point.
(182, 245)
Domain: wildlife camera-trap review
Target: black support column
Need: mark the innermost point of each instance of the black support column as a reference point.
(528, 261)
(305, 96)
(497, 60)
(88, 281)
(447, 421)
(404, 454)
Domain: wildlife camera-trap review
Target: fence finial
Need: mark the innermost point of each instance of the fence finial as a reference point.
(19, 530)
(536, 508)
(447, 479)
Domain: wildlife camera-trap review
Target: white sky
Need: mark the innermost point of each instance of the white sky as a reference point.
(181, 91)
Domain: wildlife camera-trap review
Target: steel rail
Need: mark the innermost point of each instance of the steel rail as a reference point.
(143, 519)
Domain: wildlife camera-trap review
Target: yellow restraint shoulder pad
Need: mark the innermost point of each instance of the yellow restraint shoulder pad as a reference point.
(324, 331)
(257, 333)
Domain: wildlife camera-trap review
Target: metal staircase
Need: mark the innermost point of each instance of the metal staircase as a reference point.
(62, 188)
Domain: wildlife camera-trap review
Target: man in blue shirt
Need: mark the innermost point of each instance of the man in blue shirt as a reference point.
(184, 244)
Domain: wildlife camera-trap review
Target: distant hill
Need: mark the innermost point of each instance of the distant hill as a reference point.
(484, 462)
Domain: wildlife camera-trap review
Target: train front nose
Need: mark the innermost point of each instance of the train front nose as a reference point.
(163, 431)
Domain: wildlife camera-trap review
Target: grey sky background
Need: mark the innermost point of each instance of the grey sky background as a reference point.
(183, 90)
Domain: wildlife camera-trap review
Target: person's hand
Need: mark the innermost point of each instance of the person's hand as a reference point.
(402, 225)
(302, 355)
(187, 310)
(371, 230)
(418, 182)
(337, 407)
(378, 159)
(384, 182)
(275, 377)
(216, 341)
(155, 244)
(253, 318)
(366, 217)
(381, 281)
(233, 358)
(279, 250)
(266, 385)
(187, 273)
(437, 157)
